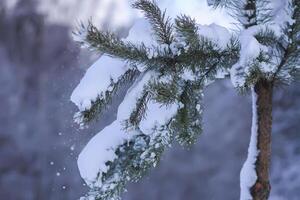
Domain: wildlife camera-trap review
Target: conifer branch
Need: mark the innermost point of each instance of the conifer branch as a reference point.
(187, 29)
(105, 98)
(187, 123)
(219, 3)
(161, 24)
(165, 93)
(135, 158)
(139, 111)
(291, 57)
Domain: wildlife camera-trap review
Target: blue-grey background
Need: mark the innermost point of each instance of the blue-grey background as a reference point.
(39, 67)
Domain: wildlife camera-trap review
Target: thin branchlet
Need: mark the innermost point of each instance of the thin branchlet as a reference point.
(187, 29)
(105, 98)
(290, 59)
(140, 110)
(187, 123)
(110, 44)
(161, 23)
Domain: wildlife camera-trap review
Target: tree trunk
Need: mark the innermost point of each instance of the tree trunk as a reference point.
(264, 91)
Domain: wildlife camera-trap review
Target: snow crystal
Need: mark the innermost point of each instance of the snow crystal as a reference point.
(248, 174)
(96, 80)
(72, 148)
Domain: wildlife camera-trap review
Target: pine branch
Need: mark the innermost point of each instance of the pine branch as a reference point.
(161, 24)
(201, 51)
(108, 43)
(187, 30)
(105, 99)
(291, 56)
(160, 59)
(140, 110)
(187, 123)
(247, 12)
(205, 54)
(154, 58)
(219, 3)
(165, 93)
(134, 159)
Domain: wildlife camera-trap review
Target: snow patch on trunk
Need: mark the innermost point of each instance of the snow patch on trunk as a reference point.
(248, 174)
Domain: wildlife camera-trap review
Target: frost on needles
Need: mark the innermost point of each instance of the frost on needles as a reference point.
(166, 74)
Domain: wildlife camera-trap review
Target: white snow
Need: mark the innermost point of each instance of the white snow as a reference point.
(219, 34)
(97, 80)
(250, 50)
(157, 115)
(282, 15)
(100, 149)
(248, 174)
(141, 31)
(129, 102)
(197, 9)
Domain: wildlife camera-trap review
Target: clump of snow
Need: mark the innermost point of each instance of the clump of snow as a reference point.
(157, 115)
(97, 80)
(129, 102)
(100, 149)
(250, 50)
(188, 75)
(248, 174)
(282, 15)
(219, 34)
(141, 32)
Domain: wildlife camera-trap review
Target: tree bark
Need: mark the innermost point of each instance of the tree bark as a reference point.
(264, 91)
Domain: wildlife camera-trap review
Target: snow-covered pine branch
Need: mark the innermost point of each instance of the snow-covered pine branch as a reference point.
(166, 76)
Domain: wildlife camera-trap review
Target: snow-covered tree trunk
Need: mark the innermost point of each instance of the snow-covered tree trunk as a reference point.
(264, 90)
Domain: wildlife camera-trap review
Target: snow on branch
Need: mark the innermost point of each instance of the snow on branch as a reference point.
(117, 155)
(97, 80)
(248, 174)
